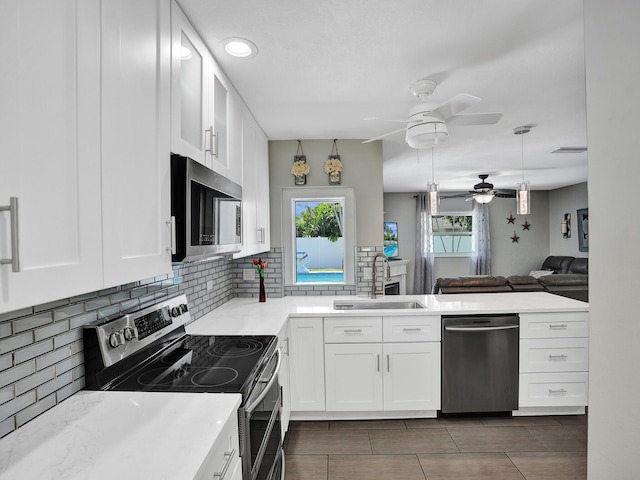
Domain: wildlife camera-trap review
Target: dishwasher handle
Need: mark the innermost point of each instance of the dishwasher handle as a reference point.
(480, 329)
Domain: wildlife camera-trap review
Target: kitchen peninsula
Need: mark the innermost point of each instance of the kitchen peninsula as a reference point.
(553, 358)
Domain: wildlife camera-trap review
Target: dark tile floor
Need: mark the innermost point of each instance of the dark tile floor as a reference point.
(493, 448)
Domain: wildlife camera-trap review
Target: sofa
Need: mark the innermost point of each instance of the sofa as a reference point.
(561, 275)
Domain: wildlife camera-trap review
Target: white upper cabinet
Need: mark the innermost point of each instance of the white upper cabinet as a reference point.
(189, 110)
(255, 188)
(84, 126)
(50, 162)
(136, 206)
(201, 102)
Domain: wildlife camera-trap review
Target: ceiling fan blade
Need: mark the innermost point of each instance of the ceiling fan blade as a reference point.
(505, 193)
(455, 105)
(456, 195)
(474, 119)
(391, 120)
(384, 135)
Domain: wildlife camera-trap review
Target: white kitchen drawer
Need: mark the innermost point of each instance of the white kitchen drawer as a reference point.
(553, 389)
(352, 329)
(411, 328)
(554, 355)
(224, 455)
(554, 325)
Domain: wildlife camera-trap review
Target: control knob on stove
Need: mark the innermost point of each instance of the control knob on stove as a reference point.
(130, 333)
(179, 310)
(116, 339)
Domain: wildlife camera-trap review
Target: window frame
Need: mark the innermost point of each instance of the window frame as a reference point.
(455, 234)
(290, 196)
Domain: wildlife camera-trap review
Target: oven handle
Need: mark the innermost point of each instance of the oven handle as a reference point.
(264, 392)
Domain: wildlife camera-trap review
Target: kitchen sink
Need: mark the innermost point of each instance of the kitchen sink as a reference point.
(377, 305)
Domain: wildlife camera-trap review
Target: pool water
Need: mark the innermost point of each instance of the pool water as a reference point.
(321, 277)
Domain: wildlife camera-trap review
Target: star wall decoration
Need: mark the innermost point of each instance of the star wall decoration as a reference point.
(525, 225)
(515, 237)
(511, 218)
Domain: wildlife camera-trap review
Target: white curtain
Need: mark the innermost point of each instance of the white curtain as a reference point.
(423, 275)
(481, 256)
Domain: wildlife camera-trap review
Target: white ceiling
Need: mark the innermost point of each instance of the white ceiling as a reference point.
(323, 66)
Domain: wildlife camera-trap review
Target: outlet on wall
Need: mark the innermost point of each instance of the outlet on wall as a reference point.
(248, 274)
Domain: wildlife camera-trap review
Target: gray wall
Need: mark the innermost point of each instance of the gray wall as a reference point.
(613, 101)
(561, 201)
(362, 170)
(507, 258)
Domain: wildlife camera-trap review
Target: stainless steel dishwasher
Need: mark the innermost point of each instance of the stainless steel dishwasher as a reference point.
(480, 363)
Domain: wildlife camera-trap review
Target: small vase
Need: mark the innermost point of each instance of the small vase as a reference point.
(262, 297)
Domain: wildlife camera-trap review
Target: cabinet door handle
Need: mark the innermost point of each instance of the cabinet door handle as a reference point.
(557, 357)
(352, 330)
(213, 142)
(14, 261)
(228, 457)
(558, 326)
(561, 391)
(172, 226)
(388, 364)
(378, 363)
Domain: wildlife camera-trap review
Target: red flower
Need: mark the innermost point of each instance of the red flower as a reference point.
(260, 266)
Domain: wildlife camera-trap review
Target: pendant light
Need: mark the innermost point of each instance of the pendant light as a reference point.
(432, 192)
(523, 194)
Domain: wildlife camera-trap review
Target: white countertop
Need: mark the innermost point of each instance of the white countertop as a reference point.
(247, 316)
(123, 435)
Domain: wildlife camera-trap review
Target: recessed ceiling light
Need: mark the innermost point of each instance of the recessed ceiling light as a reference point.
(240, 47)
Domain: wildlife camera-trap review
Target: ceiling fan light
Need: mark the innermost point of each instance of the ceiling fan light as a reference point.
(424, 135)
(523, 199)
(483, 197)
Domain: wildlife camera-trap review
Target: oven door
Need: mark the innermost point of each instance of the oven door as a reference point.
(261, 442)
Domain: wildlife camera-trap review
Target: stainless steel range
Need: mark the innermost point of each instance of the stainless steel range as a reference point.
(149, 350)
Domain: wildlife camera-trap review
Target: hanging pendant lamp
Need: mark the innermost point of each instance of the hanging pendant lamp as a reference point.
(433, 192)
(523, 193)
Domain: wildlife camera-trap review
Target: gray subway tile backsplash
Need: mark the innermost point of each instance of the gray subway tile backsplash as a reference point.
(41, 347)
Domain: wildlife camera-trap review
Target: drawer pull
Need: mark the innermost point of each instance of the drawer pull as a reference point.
(558, 326)
(352, 330)
(562, 391)
(416, 329)
(228, 456)
(557, 357)
(378, 362)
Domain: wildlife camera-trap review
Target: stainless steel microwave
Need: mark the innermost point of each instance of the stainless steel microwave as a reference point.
(207, 211)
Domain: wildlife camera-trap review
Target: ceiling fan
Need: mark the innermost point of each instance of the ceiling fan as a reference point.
(484, 192)
(427, 126)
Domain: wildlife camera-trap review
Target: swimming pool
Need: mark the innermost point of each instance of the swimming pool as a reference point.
(320, 277)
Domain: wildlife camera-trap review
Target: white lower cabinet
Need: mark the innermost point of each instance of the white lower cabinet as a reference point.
(554, 360)
(411, 376)
(376, 376)
(353, 373)
(366, 372)
(223, 460)
(306, 364)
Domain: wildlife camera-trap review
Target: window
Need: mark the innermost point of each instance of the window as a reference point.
(452, 234)
(319, 241)
(318, 226)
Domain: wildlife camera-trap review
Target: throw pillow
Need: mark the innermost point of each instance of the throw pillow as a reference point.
(540, 273)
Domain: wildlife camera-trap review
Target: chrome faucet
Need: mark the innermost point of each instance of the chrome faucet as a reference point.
(374, 291)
